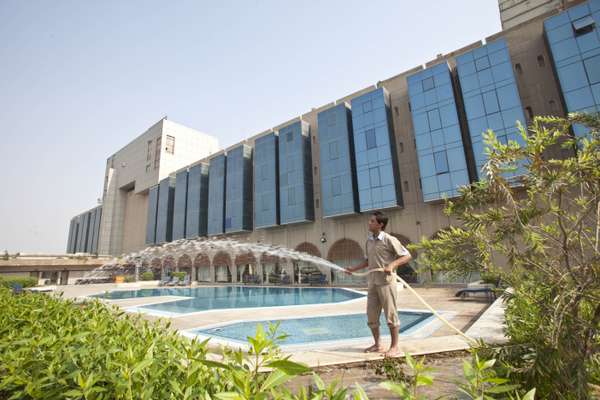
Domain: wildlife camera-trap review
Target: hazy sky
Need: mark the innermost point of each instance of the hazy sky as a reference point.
(80, 79)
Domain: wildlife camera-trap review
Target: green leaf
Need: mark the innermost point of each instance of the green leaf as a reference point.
(529, 395)
(275, 378)
(502, 389)
(289, 367)
(228, 396)
(424, 380)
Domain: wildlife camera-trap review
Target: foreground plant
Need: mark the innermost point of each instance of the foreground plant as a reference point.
(547, 226)
(51, 348)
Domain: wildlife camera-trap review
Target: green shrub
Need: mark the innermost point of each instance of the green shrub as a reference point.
(180, 275)
(547, 229)
(51, 348)
(24, 281)
(147, 276)
(129, 278)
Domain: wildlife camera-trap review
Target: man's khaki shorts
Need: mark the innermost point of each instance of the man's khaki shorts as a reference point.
(382, 297)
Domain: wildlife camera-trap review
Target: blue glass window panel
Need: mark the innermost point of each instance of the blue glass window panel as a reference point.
(452, 135)
(469, 82)
(197, 201)
(430, 186)
(444, 92)
(426, 165)
(371, 139)
(437, 138)
(216, 195)
(420, 122)
(441, 162)
(151, 217)
(448, 114)
(502, 72)
(596, 93)
(434, 119)
(295, 166)
(490, 102)
(566, 49)
(508, 97)
(578, 11)
(374, 178)
(485, 77)
(367, 106)
(592, 67)
(587, 42)
(572, 76)
(459, 178)
(338, 174)
(164, 217)
(238, 190)
(456, 159)
(336, 186)
(499, 57)
(482, 63)
(494, 122)
(179, 213)
(474, 106)
(561, 33)
(334, 152)
(580, 98)
(444, 184)
(423, 141)
(428, 84)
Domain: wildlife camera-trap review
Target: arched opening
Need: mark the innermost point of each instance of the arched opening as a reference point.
(184, 264)
(443, 277)
(408, 272)
(168, 267)
(247, 268)
(274, 271)
(306, 272)
(346, 253)
(156, 268)
(222, 264)
(202, 266)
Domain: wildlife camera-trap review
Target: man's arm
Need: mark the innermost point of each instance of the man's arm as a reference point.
(391, 267)
(358, 267)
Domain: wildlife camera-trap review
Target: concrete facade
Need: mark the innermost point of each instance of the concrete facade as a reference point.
(131, 171)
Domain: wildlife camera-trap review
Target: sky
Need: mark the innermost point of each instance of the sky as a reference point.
(80, 79)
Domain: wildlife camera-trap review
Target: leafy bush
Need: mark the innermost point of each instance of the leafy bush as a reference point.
(546, 225)
(180, 275)
(147, 276)
(53, 349)
(129, 278)
(23, 281)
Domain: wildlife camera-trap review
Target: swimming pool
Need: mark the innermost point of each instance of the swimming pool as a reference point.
(331, 329)
(227, 297)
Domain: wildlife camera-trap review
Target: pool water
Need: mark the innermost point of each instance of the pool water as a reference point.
(225, 297)
(315, 329)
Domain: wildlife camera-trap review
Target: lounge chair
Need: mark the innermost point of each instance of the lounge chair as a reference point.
(186, 281)
(479, 287)
(165, 281)
(174, 281)
(317, 278)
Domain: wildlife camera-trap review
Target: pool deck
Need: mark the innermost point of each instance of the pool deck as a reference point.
(470, 314)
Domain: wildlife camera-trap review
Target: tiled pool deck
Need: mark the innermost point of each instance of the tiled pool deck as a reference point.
(463, 315)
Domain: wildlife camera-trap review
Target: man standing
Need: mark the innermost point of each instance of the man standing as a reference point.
(383, 252)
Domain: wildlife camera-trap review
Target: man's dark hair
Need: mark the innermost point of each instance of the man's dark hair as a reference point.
(381, 219)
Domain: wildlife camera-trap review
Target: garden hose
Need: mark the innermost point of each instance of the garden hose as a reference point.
(422, 300)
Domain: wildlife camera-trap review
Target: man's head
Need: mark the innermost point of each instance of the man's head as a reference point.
(377, 222)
